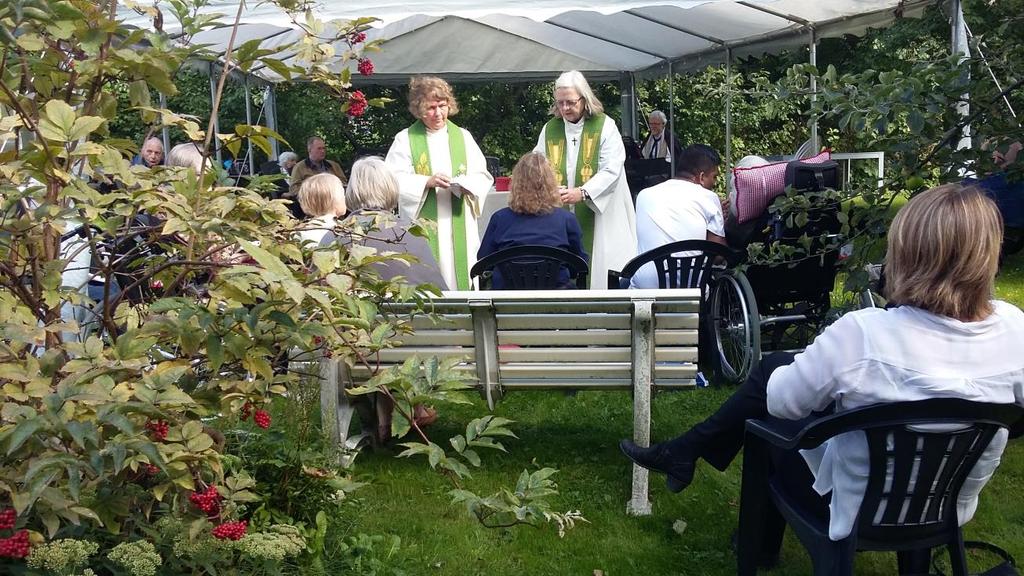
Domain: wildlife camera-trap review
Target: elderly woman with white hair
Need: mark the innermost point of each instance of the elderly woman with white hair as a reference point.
(584, 147)
(372, 196)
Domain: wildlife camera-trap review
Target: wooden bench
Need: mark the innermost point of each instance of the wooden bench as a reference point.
(636, 340)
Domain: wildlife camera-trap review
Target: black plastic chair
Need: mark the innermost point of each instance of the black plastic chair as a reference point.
(929, 466)
(531, 267)
(693, 271)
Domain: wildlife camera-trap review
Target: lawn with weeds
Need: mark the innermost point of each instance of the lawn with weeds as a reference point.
(688, 533)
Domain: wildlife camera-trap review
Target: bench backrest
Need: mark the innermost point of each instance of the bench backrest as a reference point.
(596, 339)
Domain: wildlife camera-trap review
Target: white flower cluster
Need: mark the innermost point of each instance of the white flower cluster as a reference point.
(278, 542)
(139, 558)
(62, 556)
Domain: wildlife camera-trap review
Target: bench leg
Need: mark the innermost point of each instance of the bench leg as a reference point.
(639, 504)
(643, 363)
(336, 411)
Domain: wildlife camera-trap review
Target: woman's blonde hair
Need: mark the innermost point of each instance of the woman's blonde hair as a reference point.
(322, 194)
(187, 155)
(575, 80)
(425, 89)
(944, 252)
(371, 185)
(534, 189)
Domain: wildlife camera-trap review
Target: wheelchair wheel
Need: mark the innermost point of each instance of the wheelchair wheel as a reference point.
(736, 326)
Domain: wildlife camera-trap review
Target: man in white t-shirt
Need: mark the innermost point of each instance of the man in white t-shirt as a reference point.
(683, 208)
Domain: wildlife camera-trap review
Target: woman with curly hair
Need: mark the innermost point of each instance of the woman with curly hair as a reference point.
(442, 177)
(534, 217)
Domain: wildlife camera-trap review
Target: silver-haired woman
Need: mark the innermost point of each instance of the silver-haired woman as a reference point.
(585, 149)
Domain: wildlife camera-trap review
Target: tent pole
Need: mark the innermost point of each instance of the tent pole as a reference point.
(628, 126)
(671, 120)
(959, 47)
(270, 108)
(814, 91)
(728, 107)
(216, 119)
(165, 132)
(248, 120)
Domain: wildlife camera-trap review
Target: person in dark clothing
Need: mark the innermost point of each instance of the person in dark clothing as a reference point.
(534, 216)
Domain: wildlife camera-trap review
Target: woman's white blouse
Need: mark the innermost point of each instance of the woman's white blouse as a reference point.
(876, 356)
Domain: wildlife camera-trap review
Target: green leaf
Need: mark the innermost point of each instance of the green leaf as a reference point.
(191, 429)
(22, 432)
(58, 121)
(214, 351)
(84, 126)
(199, 443)
(276, 269)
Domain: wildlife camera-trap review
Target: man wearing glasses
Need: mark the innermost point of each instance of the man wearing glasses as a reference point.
(585, 149)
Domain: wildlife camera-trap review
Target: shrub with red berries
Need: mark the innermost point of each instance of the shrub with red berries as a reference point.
(262, 419)
(230, 530)
(7, 518)
(365, 66)
(356, 104)
(246, 411)
(158, 429)
(357, 37)
(16, 546)
(208, 501)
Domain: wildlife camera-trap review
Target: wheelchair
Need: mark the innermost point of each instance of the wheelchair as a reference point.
(772, 307)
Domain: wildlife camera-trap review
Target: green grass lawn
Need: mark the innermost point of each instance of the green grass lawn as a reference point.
(579, 436)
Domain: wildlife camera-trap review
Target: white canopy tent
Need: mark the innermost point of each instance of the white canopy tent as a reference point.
(534, 40)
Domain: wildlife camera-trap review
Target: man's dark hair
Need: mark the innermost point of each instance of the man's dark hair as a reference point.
(697, 158)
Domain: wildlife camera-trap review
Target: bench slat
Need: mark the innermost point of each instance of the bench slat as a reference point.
(604, 384)
(543, 371)
(596, 354)
(592, 337)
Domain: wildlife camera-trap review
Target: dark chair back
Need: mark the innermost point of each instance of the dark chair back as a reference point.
(532, 267)
(920, 454)
(493, 165)
(683, 264)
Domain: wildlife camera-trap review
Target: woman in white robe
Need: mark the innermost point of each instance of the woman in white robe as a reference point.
(447, 176)
(602, 189)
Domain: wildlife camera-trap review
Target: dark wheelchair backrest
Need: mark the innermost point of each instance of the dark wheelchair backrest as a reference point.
(809, 279)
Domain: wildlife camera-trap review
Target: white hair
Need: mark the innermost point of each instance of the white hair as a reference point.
(573, 79)
(187, 155)
(659, 115)
(286, 157)
(745, 162)
(371, 185)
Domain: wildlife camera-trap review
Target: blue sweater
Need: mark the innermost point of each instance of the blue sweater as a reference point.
(506, 229)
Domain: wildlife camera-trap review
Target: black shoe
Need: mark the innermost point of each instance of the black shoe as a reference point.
(658, 459)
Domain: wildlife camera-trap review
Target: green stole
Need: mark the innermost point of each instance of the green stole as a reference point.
(421, 163)
(586, 166)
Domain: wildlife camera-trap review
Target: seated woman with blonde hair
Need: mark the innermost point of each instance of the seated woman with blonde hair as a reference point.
(534, 217)
(944, 337)
(321, 196)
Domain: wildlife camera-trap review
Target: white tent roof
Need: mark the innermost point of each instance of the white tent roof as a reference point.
(523, 40)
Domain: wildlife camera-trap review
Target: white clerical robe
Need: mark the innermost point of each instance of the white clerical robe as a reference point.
(614, 217)
(477, 182)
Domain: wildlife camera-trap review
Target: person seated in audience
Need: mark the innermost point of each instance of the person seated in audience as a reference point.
(283, 165)
(945, 336)
(322, 197)
(684, 208)
(534, 216)
(186, 155)
(372, 197)
(151, 154)
(315, 163)
(661, 143)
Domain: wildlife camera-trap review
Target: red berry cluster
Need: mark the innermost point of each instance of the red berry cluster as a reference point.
(365, 66)
(150, 470)
(246, 411)
(262, 419)
(158, 429)
(357, 104)
(230, 530)
(208, 501)
(16, 546)
(7, 518)
(357, 37)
